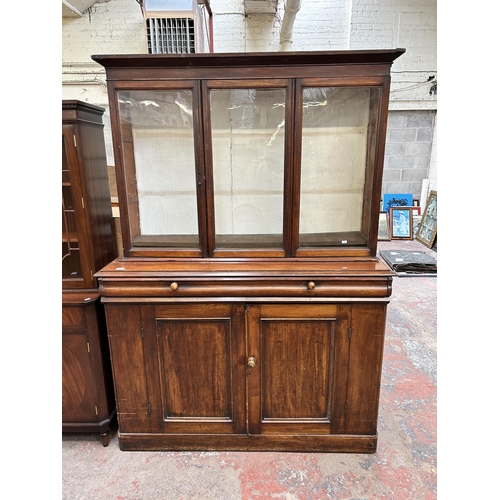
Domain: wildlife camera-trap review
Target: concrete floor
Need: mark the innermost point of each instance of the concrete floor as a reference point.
(403, 468)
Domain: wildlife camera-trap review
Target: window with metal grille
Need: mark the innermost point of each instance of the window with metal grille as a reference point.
(170, 35)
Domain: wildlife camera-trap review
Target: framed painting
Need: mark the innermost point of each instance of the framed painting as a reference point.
(401, 223)
(396, 200)
(427, 230)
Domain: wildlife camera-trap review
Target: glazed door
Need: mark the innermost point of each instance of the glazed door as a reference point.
(247, 134)
(164, 211)
(179, 368)
(76, 252)
(337, 146)
(297, 368)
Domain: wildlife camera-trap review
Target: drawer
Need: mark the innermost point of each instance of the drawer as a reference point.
(234, 287)
(74, 318)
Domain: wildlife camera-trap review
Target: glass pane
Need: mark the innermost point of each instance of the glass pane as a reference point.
(158, 150)
(67, 197)
(337, 135)
(248, 143)
(71, 265)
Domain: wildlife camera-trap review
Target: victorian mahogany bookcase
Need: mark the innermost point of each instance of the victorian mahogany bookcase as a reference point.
(87, 245)
(249, 307)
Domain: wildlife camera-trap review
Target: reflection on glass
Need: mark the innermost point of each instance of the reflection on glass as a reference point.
(248, 138)
(335, 140)
(158, 143)
(71, 266)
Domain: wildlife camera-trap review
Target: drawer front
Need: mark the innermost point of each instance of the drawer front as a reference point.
(231, 287)
(74, 319)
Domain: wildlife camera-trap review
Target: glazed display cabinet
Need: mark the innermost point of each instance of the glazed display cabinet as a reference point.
(248, 310)
(87, 245)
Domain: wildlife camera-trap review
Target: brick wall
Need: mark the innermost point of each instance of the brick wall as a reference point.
(109, 27)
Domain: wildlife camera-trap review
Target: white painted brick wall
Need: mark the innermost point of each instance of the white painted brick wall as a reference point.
(111, 26)
(230, 31)
(321, 25)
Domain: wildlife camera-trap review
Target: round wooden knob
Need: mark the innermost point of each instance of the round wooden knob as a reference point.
(251, 362)
(311, 285)
(174, 286)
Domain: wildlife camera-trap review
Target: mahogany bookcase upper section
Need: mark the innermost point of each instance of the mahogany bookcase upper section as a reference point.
(249, 155)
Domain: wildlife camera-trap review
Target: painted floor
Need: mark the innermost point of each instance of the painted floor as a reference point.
(403, 468)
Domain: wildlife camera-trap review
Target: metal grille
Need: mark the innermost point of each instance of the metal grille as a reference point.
(170, 35)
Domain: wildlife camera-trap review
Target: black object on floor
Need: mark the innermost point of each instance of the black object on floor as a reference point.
(410, 263)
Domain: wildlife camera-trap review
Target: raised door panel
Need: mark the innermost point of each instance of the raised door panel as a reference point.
(298, 384)
(200, 353)
(78, 391)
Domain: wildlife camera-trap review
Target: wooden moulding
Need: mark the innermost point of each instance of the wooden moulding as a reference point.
(304, 58)
(244, 442)
(103, 426)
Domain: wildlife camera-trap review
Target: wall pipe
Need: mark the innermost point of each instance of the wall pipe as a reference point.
(291, 9)
(210, 24)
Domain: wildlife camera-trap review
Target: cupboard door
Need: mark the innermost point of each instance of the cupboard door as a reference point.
(78, 390)
(201, 373)
(298, 381)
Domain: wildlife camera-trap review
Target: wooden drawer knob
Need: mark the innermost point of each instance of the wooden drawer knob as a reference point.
(174, 286)
(311, 285)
